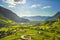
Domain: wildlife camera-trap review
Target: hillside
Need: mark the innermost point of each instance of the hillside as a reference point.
(10, 15)
(45, 30)
(57, 15)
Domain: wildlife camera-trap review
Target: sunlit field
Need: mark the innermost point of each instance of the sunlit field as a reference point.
(29, 19)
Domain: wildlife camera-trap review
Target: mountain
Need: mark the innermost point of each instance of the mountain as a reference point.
(57, 15)
(43, 18)
(11, 15)
(37, 18)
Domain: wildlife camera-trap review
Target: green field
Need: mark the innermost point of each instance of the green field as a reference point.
(47, 30)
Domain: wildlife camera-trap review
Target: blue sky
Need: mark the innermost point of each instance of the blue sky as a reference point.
(32, 7)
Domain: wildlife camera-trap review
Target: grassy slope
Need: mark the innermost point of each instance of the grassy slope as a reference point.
(49, 30)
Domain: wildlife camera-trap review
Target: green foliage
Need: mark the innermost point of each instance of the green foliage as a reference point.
(47, 30)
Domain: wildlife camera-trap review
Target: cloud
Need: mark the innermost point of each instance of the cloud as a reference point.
(11, 6)
(35, 6)
(12, 3)
(46, 7)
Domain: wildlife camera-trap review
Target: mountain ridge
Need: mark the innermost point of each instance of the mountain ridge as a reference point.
(37, 18)
(57, 15)
(43, 18)
(11, 15)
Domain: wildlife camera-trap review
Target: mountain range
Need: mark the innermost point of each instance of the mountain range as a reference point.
(37, 18)
(42, 18)
(57, 15)
(8, 14)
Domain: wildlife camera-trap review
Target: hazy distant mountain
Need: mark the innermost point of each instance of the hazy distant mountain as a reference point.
(37, 18)
(10, 15)
(43, 18)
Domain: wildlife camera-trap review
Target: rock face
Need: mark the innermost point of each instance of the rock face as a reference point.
(10, 15)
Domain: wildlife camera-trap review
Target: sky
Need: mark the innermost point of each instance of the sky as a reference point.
(32, 7)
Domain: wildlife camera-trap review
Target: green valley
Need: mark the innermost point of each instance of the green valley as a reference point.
(12, 29)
